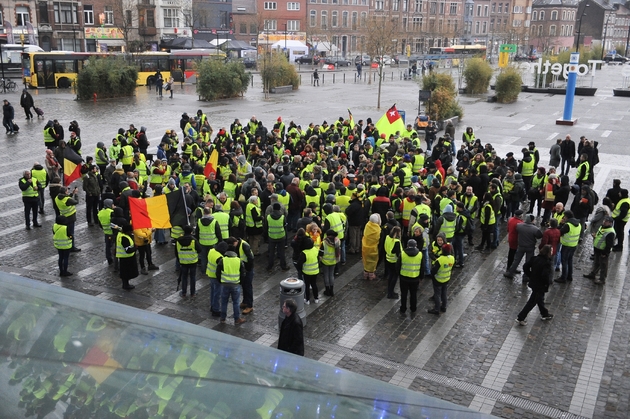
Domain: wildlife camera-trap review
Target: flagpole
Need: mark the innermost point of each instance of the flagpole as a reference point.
(185, 206)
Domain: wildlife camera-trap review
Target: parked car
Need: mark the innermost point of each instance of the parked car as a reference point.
(307, 59)
(615, 58)
(363, 59)
(338, 61)
(387, 60)
(523, 57)
(249, 62)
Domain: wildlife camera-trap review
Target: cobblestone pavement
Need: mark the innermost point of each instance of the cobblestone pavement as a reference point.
(473, 355)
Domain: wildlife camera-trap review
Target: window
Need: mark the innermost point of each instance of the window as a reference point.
(109, 15)
(453, 9)
(542, 15)
(477, 27)
(312, 18)
(171, 18)
(552, 30)
(334, 20)
(150, 18)
(128, 17)
(65, 12)
(271, 5)
(242, 28)
(293, 25)
(485, 10)
(344, 19)
(378, 4)
(88, 14)
(491, 24)
(253, 28)
(517, 9)
(540, 30)
(404, 5)
(433, 9)
(554, 15)
(416, 24)
(500, 8)
(493, 8)
(335, 1)
(479, 10)
(417, 6)
(535, 16)
(404, 24)
(363, 19)
(313, 1)
(484, 28)
(293, 6)
(22, 15)
(324, 19)
(271, 25)
(355, 19)
(395, 5)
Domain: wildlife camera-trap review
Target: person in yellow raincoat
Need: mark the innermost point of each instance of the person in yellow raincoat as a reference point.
(371, 239)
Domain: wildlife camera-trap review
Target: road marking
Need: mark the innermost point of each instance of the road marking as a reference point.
(266, 340)
(606, 133)
(363, 326)
(457, 307)
(526, 127)
(552, 136)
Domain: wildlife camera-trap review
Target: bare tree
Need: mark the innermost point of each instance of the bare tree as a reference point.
(125, 14)
(380, 34)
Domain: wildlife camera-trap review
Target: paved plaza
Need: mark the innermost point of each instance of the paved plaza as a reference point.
(576, 366)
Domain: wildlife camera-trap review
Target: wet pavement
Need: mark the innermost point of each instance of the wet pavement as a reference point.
(474, 354)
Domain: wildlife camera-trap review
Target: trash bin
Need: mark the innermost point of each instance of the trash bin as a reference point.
(292, 288)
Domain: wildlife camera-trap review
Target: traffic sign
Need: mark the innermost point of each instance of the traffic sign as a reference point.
(424, 95)
(503, 59)
(511, 48)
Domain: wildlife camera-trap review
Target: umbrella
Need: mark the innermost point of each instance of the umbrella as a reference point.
(186, 43)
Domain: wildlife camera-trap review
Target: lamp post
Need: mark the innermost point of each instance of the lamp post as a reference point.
(577, 42)
(605, 33)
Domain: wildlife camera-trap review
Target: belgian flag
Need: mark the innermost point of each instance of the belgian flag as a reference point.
(72, 163)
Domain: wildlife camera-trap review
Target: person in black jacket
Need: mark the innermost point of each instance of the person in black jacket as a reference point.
(8, 113)
(291, 331)
(538, 270)
(27, 102)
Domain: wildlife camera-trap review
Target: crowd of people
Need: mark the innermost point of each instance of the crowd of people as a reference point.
(329, 190)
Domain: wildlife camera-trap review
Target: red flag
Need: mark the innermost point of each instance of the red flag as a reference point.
(393, 115)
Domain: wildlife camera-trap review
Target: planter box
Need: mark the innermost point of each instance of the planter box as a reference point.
(621, 92)
(579, 91)
(282, 89)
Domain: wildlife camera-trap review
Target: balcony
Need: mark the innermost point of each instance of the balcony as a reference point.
(146, 4)
(146, 31)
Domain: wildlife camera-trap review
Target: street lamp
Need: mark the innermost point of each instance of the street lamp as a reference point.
(605, 33)
(577, 42)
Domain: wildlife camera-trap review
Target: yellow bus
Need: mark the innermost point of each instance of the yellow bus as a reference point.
(60, 69)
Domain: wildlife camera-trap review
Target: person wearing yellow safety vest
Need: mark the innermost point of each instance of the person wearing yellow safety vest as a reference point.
(441, 270)
(583, 170)
(126, 157)
(409, 267)
(214, 255)
(275, 229)
(126, 254)
(51, 138)
(223, 219)
(30, 187)
(63, 243)
(105, 220)
(308, 263)
(254, 224)
(603, 243)
(329, 256)
(527, 168)
(187, 251)
(621, 215)
(230, 272)
(157, 173)
(67, 204)
(446, 223)
(570, 232)
(468, 137)
(40, 174)
(186, 176)
(393, 248)
(208, 234)
(462, 227)
(488, 222)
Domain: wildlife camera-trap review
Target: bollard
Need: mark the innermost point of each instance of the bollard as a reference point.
(333, 78)
(292, 288)
(344, 78)
(323, 78)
